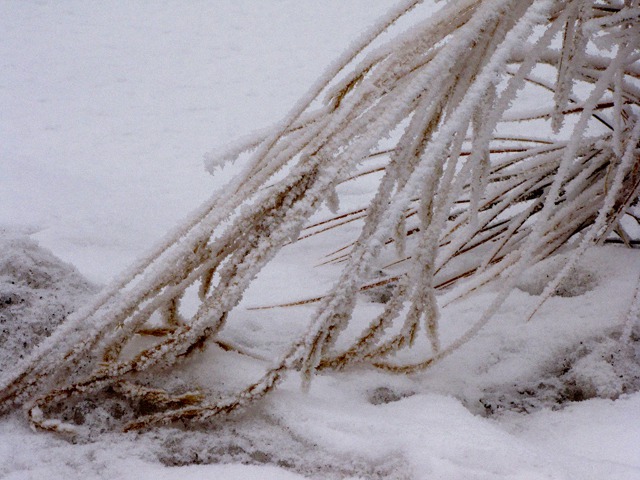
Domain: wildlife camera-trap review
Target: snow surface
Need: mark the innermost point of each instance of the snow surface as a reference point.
(107, 111)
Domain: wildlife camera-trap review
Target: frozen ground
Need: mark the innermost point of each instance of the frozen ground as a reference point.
(107, 112)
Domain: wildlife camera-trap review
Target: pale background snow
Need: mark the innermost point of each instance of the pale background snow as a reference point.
(107, 109)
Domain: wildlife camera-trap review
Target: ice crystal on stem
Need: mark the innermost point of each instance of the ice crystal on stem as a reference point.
(463, 199)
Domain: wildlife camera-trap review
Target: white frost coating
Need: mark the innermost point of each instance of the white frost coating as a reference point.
(624, 169)
(433, 424)
(462, 113)
(454, 183)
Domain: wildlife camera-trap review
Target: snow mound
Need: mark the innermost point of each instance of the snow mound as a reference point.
(37, 292)
(262, 438)
(602, 367)
(579, 281)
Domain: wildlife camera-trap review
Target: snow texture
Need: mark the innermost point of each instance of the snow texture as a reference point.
(37, 292)
(111, 108)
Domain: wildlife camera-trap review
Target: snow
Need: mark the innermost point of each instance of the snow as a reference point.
(108, 110)
(107, 105)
